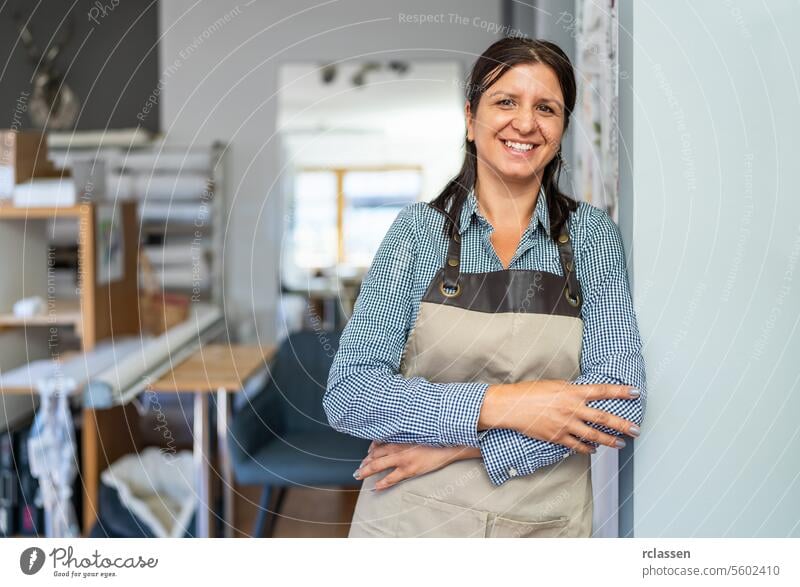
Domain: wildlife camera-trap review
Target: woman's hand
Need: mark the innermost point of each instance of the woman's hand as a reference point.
(555, 410)
(409, 460)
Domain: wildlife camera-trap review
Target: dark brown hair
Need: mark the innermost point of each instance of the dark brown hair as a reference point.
(489, 67)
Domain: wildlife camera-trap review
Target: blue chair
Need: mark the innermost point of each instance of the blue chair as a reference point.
(282, 437)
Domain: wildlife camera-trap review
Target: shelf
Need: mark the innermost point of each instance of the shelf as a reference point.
(62, 313)
(10, 212)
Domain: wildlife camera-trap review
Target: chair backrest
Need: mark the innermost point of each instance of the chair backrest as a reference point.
(292, 397)
(299, 377)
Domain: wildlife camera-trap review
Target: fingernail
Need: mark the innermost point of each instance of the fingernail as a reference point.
(634, 431)
(634, 392)
(356, 474)
(620, 443)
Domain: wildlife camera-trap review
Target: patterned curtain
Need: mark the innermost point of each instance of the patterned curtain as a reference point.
(596, 111)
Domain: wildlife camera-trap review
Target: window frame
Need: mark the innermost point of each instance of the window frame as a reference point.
(340, 172)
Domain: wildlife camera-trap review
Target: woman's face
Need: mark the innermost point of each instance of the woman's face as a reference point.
(518, 124)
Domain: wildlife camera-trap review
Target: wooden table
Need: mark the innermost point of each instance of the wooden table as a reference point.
(222, 369)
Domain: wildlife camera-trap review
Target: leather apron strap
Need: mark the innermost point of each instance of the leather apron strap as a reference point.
(451, 288)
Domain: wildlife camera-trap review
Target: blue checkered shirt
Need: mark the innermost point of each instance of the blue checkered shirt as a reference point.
(366, 395)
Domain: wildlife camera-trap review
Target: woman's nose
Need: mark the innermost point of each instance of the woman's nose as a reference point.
(524, 122)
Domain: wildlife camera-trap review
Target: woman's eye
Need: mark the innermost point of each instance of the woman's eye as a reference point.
(506, 102)
(545, 108)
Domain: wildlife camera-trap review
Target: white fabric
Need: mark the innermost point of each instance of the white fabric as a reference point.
(157, 488)
(51, 453)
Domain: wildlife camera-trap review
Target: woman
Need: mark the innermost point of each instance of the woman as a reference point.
(494, 344)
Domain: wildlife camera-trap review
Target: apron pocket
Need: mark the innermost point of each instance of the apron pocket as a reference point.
(510, 528)
(430, 518)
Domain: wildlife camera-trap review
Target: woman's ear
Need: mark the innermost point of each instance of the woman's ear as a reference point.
(468, 117)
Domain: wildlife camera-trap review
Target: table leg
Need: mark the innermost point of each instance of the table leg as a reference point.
(223, 448)
(202, 464)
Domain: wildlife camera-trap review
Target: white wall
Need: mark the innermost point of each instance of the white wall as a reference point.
(716, 242)
(220, 82)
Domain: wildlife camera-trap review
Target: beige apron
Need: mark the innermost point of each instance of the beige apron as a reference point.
(496, 327)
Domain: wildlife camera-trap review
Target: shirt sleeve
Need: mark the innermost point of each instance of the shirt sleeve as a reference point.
(611, 353)
(366, 396)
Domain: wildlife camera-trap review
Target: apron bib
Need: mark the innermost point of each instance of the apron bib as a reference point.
(496, 327)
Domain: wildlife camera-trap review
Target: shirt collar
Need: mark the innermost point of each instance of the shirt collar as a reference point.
(540, 214)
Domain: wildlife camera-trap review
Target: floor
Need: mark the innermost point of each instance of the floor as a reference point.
(306, 513)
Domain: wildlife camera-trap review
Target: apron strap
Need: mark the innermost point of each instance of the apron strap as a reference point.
(453, 262)
(572, 290)
(452, 267)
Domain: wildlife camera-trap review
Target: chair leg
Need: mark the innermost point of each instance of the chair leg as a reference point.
(278, 505)
(263, 511)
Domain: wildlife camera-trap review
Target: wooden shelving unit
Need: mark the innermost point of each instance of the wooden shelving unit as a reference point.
(152, 175)
(103, 310)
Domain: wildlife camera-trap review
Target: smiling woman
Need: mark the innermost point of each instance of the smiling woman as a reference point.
(525, 115)
(517, 132)
(493, 344)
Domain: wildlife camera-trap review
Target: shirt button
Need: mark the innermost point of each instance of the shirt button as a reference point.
(512, 472)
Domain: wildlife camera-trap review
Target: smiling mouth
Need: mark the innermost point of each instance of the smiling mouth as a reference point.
(519, 148)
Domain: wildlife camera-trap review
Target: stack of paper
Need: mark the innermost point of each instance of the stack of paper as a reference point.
(184, 186)
(46, 192)
(180, 264)
(192, 213)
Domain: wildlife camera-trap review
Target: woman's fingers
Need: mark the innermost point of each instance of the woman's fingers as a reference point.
(374, 465)
(382, 450)
(570, 441)
(587, 433)
(608, 420)
(608, 391)
(376, 454)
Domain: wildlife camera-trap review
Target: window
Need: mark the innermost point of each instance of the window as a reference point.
(314, 235)
(341, 215)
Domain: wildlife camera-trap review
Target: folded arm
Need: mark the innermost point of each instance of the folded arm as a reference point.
(611, 353)
(366, 396)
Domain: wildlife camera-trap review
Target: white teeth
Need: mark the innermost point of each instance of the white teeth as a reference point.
(519, 146)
